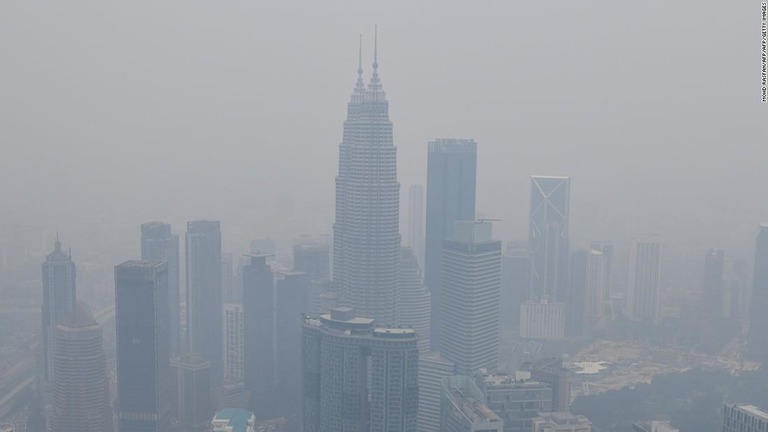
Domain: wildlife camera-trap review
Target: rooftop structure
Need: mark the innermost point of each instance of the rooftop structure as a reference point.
(561, 422)
(464, 408)
(233, 420)
(744, 418)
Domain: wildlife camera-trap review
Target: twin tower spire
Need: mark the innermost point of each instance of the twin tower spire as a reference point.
(375, 83)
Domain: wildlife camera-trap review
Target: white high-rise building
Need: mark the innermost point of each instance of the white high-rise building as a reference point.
(432, 369)
(542, 320)
(234, 349)
(644, 285)
(366, 232)
(595, 311)
(471, 295)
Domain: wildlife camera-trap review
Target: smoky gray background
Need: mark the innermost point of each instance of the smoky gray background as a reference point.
(115, 113)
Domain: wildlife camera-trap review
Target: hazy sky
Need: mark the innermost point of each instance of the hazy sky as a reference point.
(115, 113)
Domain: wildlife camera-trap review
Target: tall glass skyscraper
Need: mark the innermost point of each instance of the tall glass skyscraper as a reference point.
(59, 299)
(548, 236)
(451, 181)
(159, 244)
(644, 284)
(205, 314)
(258, 329)
(143, 347)
(366, 236)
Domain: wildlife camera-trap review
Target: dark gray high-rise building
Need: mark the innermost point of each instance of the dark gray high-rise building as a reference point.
(292, 290)
(757, 338)
(158, 243)
(313, 257)
(143, 347)
(258, 332)
(358, 377)
(205, 312)
(59, 298)
(80, 386)
(451, 179)
(713, 294)
(548, 236)
(471, 296)
(191, 379)
(366, 235)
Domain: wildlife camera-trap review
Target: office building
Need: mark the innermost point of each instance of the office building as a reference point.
(561, 422)
(744, 418)
(432, 369)
(416, 237)
(471, 295)
(657, 426)
(366, 232)
(464, 409)
(233, 420)
(205, 315)
(59, 299)
(230, 293)
(234, 344)
(158, 243)
(258, 330)
(191, 379)
(607, 250)
(548, 236)
(713, 292)
(143, 346)
(313, 257)
(358, 376)
(516, 399)
(542, 320)
(292, 290)
(80, 388)
(550, 371)
(516, 287)
(451, 181)
(413, 300)
(586, 305)
(644, 284)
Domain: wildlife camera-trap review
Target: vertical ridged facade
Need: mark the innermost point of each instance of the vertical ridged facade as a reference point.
(644, 285)
(413, 300)
(59, 298)
(548, 236)
(366, 236)
(81, 386)
(158, 243)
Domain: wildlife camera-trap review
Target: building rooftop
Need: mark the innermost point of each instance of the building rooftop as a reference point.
(754, 411)
(79, 318)
(473, 409)
(141, 264)
(235, 418)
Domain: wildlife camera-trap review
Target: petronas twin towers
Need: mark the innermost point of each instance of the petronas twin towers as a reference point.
(366, 234)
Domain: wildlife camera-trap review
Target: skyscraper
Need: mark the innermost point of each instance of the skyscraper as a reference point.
(159, 244)
(586, 303)
(143, 346)
(292, 291)
(471, 294)
(432, 369)
(59, 298)
(416, 221)
(516, 287)
(644, 285)
(312, 256)
(358, 376)
(757, 338)
(366, 235)
(204, 296)
(234, 344)
(413, 300)
(191, 379)
(258, 320)
(80, 385)
(451, 178)
(744, 418)
(713, 294)
(548, 236)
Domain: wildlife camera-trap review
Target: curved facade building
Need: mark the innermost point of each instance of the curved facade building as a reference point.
(80, 386)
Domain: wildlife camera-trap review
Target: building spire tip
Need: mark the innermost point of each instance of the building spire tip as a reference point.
(375, 47)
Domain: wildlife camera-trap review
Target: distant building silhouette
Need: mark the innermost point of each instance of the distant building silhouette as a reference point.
(413, 300)
(451, 182)
(516, 285)
(366, 234)
(59, 299)
(587, 294)
(158, 243)
(234, 344)
(204, 297)
(713, 292)
(471, 295)
(292, 290)
(644, 285)
(416, 237)
(548, 236)
(81, 398)
(258, 330)
(340, 352)
(757, 338)
(312, 256)
(143, 346)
